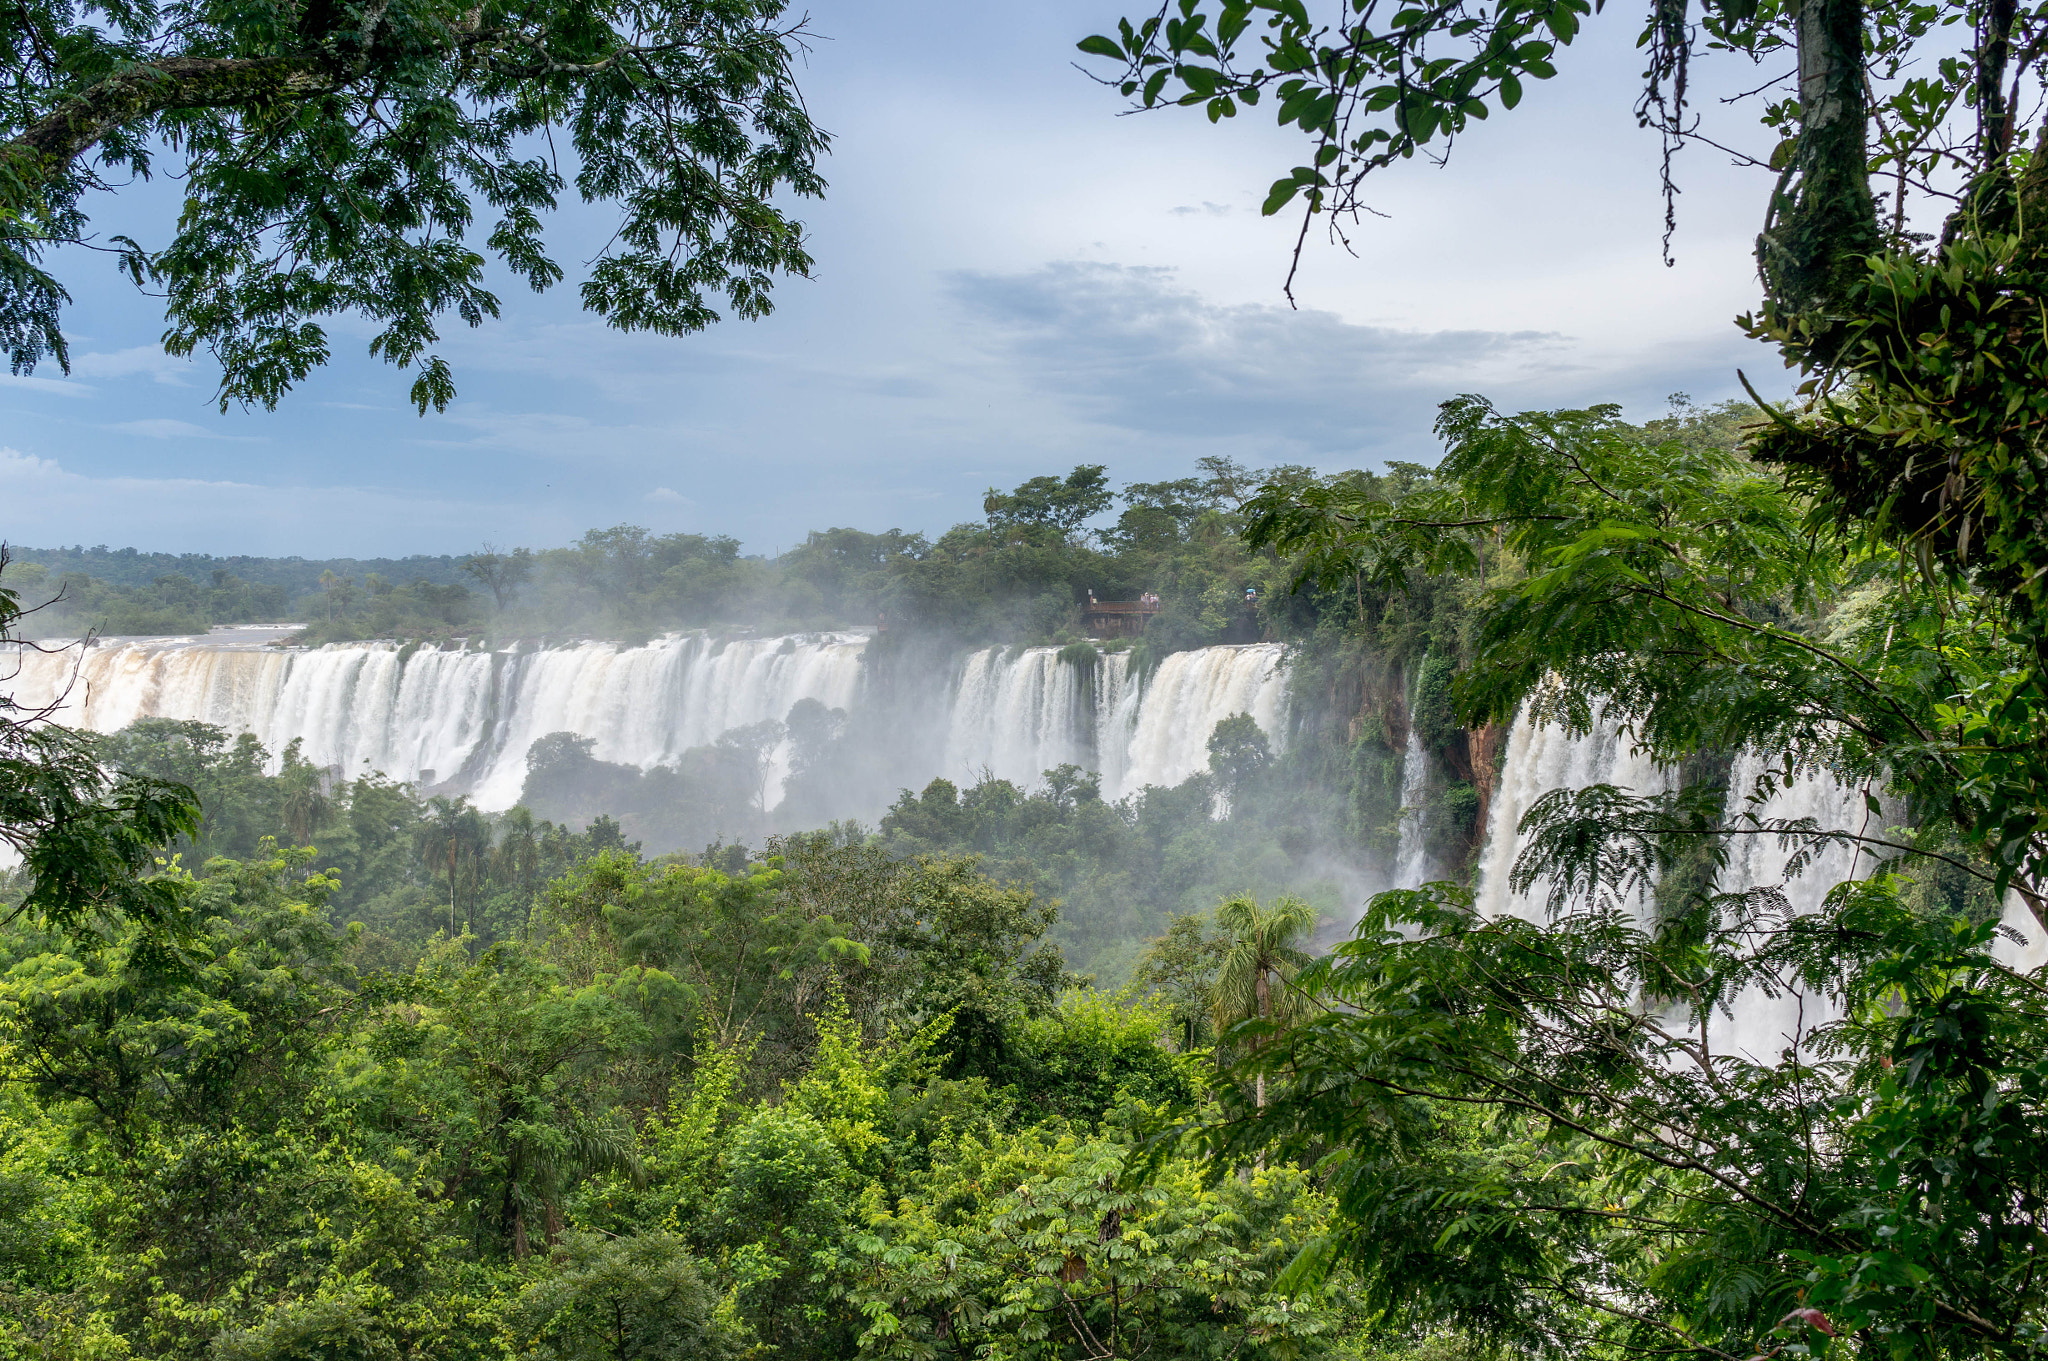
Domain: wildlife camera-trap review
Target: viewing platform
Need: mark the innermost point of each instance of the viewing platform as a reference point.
(1118, 618)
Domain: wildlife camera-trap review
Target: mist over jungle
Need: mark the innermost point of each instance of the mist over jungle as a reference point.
(1267, 885)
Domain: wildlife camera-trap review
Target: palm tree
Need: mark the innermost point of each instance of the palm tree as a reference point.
(453, 840)
(306, 805)
(1260, 959)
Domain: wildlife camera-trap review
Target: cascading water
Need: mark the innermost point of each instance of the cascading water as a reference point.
(1018, 715)
(462, 720)
(1015, 716)
(1759, 1025)
(1760, 859)
(1756, 1024)
(1158, 731)
(1541, 757)
(1411, 852)
(1411, 855)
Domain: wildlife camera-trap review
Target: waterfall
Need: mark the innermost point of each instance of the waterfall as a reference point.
(1756, 1024)
(1542, 757)
(646, 706)
(462, 720)
(1017, 715)
(2030, 951)
(1411, 856)
(1161, 729)
(1760, 859)
(1411, 853)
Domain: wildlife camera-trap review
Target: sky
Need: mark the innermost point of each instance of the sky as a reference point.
(1012, 278)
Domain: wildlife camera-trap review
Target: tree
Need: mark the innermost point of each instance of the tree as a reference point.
(641, 1298)
(88, 837)
(1925, 415)
(529, 1052)
(1238, 752)
(501, 573)
(1075, 1255)
(752, 750)
(454, 843)
(1179, 968)
(1370, 89)
(1550, 1138)
(1678, 588)
(340, 591)
(1061, 505)
(155, 1041)
(1261, 956)
(334, 156)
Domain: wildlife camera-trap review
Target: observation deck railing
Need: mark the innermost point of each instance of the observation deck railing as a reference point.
(1117, 618)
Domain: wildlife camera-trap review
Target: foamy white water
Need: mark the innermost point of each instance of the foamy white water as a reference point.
(1542, 757)
(1411, 855)
(1172, 716)
(1759, 1026)
(1019, 716)
(1756, 1025)
(463, 719)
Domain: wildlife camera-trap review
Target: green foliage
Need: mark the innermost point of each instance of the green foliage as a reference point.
(1239, 753)
(403, 866)
(1551, 1142)
(1068, 1255)
(1516, 1160)
(640, 1298)
(1021, 575)
(1051, 504)
(168, 603)
(1123, 871)
(357, 146)
(1178, 970)
(1430, 709)
(665, 1121)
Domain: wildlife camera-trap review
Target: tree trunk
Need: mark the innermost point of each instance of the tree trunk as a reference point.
(1825, 222)
(1994, 51)
(1260, 988)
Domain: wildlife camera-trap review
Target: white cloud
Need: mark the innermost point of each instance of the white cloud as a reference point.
(14, 464)
(164, 428)
(669, 496)
(1135, 349)
(47, 503)
(136, 361)
(32, 382)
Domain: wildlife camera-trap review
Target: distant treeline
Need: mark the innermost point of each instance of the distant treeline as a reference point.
(1023, 573)
(297, 576)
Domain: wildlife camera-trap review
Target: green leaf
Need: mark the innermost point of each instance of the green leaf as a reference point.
(1281, 194)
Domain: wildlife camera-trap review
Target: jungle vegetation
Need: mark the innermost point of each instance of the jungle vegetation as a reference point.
(1018, 575)
(1541, 1131)
(833, 1102)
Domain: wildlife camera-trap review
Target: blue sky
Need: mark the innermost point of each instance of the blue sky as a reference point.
(1011, 280)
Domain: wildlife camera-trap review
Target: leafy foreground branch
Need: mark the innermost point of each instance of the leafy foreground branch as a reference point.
(334, 157)
(1576, 1138)
(1651, 1108)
